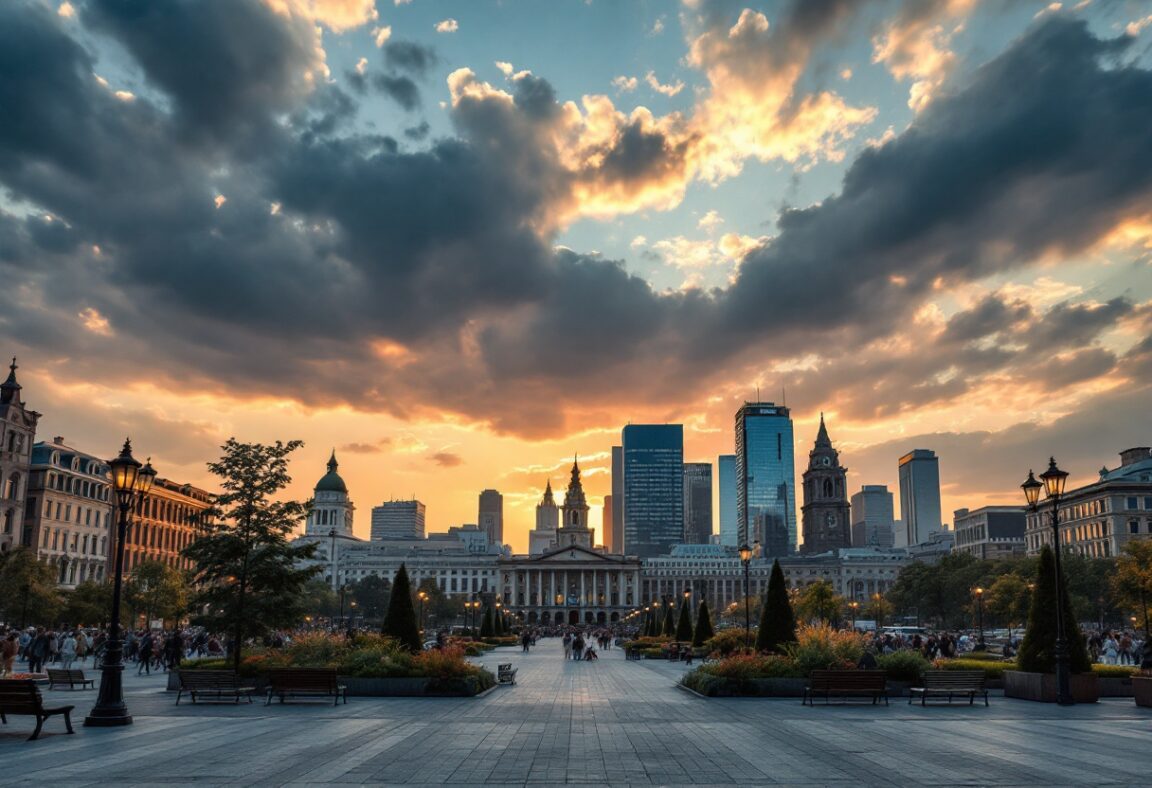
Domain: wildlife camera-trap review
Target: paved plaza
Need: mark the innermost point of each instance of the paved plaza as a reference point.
(611, 722)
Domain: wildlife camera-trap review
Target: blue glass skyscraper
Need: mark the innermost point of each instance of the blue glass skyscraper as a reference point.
(653, 457)
(765, 477)
(729, 524)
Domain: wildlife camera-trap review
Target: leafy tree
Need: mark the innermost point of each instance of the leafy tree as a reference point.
(400, 621)
(318, 600)
(487, 630)
(28, 593)
(247, 576)
(1008, 599)
(1038, 651)
(819, 601)
(684, 623)
(704, 631)
(439, 607)
(89, 604)
(669, 628)
(157, 590)
(1132, 581)
(1087, 580)
(880, 609)
(371, 594)
(777, 624)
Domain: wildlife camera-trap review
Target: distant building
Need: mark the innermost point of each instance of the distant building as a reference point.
(826, 512)
(332, 509)
(938, 545)
(574, 529)
(398, 520)
(17, 434)
(729, 524)
(765, 476)
(991, 532)
(872, 517)
(542, 538)
(1098, 519)
(615, 544)
(491, 516)
(919, 497)
(653, 456)
(697, 502)
(609, 525)
(171, 516)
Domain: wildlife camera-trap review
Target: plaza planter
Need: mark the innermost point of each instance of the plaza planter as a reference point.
(358, 687)
(1112, 687)
(1041, 687)
(1142, 690)
(716, 687)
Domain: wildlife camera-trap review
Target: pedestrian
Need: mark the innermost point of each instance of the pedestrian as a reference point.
(1110, 650)
(38, 651)
(525, 641)
(68, 650)
(81, 646)
(8, 648)
(145, 662)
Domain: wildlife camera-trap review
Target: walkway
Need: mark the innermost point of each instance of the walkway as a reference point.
(611, 722)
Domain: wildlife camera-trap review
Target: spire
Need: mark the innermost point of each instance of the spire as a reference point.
(548, 499)
(822, 436)
(332, 464)
(10, 389)
(574, 497)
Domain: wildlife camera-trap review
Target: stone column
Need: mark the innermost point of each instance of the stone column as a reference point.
(583, 594)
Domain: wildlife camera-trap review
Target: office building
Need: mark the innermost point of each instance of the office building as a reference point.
(491, 516)
(765, 478)
(991, 532)
(825, 512)
(919, 497)
(398, 520)
(616, 545)
(729, 525)
(872, 517)
(697, 502)
(17, 434)
(609, 526)
(653, 457)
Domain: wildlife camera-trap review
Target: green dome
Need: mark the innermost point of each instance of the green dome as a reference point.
(331, 482)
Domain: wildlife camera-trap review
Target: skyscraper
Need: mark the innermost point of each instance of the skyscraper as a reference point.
(653, 458)
(919, 496)
(398, 520)
(729, 525)
(825, 511)
(609, 525)
(765, 477)
(872, 517)
(491, 516)
(616, 545)
(697, 502)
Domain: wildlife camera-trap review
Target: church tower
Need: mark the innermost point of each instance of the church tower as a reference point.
(542, 538)
(332, 509)
(827, 524)
(574, 514)
(17, 434)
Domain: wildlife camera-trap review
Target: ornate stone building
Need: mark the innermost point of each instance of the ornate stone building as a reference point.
(17, 434)
(542, 538)
(332, 509)
(574, 528)
(826, 517)
(170, 517)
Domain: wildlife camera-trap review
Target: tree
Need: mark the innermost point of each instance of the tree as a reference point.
(1132, 580)
(89, 604)
(28, 592)
(400, 621)
(371, 595)
(879, 609)
(318, 600)
(247, 576)
(1038, 651)
(498, 623)
(487, 630)
(684, 624)
(777, 624)
(669, 628)
(820, 601)
(1008, 599)
(155, 589)
(704, 630)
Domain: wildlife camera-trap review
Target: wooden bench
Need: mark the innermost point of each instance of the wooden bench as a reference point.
(219, 684)
(845, 684)
(69, 677)
(949, 684)
(506, 674)
(22, 697)
(316, 682)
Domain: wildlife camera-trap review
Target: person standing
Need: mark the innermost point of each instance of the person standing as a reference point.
(81, 646)
(67, 650)
(8, 648)
(38, 651)
(145, 662)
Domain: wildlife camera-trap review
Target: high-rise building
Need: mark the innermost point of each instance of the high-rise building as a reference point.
(609, 525)
(765, 478)
(17, 434)
(872, 517)
(491, 516)
(398, 520)
(332, 509)
(542, 538)
(697, 502)
(825, 511)
(653, 456)
(616, 545)
(919, 496)
(729, 525)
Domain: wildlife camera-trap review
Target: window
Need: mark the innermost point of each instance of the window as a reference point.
(1148, 502)
(1133, 526)
(1132, 502)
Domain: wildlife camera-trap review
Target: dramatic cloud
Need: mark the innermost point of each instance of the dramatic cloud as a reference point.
(915, 46)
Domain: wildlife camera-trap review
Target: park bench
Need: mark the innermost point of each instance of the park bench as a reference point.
(69, 677)
(506, 674)
(951, 683)
(845, 684)
(219, 684)
(316, 682)
(22, 697)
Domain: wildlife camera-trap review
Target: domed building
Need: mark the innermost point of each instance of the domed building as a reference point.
(332, 509)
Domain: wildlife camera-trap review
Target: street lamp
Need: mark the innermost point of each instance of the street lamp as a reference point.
(131, 483)
(746, 554)
(422, 595)
(855, 606)
(979, 592)
(1052, 481)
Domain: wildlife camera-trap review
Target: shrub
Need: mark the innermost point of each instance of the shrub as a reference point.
(1116, 671)
(1038, 651)
(752, 666)
(400, 621)
(903, 665)
(727, 642)
(684, 624)
(819, 647)
(777, 623)
(992, 670)
(703, 631)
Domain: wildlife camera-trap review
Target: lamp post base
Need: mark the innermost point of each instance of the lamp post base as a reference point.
(111, 719)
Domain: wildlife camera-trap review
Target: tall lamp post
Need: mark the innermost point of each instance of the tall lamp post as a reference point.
(1052, 481)
(422, 596)
(131, 483)
(979, 592)
(854, 605)
(746, 554)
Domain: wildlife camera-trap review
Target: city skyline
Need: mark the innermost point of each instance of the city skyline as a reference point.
(459, 254)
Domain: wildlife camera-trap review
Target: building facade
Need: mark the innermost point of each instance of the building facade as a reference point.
(398, 520)
(614, 541)
(570, 585)
(574, 529)
(726, 486)
(170, 517)
(542, 538)
(1098, 519)
(873, 523)
(765, 478)
(697, 502)
(919, 497)
(826, 511)
(490, 516)
(332, 509)
(17, 434)
(68, 512)
(991, 532)
(653, 456)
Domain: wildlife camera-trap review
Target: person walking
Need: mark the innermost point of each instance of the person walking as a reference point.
(38, 651)
(67, 650)
(525, 641)
(145, 662)
(1110, 650)
(81, 646)
(8, 648)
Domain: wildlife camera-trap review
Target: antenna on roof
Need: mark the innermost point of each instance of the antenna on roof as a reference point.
(757, 393)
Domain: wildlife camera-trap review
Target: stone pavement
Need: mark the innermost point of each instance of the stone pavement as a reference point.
(610, 722)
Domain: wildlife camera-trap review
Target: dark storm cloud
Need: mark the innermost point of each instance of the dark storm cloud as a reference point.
(409, 56)
(418, 132)
(400, 89)
(990, 316)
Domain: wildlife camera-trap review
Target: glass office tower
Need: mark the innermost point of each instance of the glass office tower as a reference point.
(765, 478)
(729, 525)
(697, 502)
(653, 457)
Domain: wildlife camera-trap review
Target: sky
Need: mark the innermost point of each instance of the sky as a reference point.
(462, 242)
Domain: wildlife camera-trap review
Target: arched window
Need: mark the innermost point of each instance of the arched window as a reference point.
(12, 488)
(827, 488)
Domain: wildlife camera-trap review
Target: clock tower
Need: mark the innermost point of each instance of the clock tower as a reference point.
(825, 511)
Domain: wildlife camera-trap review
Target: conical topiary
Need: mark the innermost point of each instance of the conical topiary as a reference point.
(1038, 651)
(400, 621)
(498, 624)
(684, 623)
(777, 623)
(669, 628)
(703, 631)
(486, 630)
